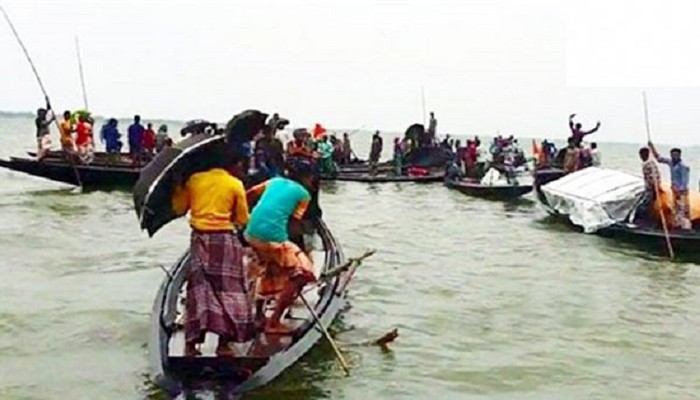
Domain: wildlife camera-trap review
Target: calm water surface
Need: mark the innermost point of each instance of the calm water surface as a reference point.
(492, 300)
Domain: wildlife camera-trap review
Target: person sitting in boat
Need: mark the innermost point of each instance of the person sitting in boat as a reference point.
(217, 298)
(161, 137)
(135, 136)
(42, 122)
(454, 171)
(652, 182)
(281, 204)
(375, 152)
(680, 177)
(109, 135)
(67, 142)
(577, 132)
(83, 137)
(148, 143)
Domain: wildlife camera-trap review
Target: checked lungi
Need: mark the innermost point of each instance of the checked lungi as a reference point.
(217, 293)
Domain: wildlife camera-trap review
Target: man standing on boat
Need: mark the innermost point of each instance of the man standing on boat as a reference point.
(67, 142)
(577, 132)
(217, 298)
(375, 152)
(43, 142)
(135, 134)
(287, 269)
(432, 128)
(652, 181)
(680, 177)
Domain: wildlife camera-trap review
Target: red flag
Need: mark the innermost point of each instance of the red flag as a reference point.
(318, 131)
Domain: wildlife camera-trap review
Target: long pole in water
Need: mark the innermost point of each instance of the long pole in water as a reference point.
(656, 185)
(80, 69)
(422, 93)
(336, 349)
(41, 84)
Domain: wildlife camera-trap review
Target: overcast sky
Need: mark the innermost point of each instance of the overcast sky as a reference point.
(511, 65)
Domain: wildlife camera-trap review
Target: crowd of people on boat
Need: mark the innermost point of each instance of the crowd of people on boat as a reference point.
(577, 156)
(77, 139)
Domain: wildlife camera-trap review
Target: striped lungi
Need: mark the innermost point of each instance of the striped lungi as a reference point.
(217, 294)
(279, 264)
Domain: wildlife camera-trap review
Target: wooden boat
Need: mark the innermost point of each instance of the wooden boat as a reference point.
(384, 177)
(614, 194)
(471, 187)
(543, 176)
(269, 355)
(92, 176)
(362, 166)
(652, 237)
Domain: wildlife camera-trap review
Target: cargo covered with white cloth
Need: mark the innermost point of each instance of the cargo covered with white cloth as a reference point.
(594, 198)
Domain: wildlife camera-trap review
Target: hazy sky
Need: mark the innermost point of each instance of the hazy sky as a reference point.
(511, 65)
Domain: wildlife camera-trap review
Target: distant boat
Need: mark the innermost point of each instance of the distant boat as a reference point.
(99, 174)
(472, 187)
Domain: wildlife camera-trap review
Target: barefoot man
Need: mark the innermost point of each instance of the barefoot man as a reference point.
(287, 269)
(217, 296)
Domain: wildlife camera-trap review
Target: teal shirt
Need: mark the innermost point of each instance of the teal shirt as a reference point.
(326, 149)
(280, 199)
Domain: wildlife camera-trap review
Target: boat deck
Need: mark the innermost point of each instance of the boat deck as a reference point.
(265, 345)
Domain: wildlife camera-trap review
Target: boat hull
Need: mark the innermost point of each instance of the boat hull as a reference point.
(179, 375)
(91, 176)
(490, 192)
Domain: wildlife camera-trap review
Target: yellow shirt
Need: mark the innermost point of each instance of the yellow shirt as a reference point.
(66, 129)
(216, 201)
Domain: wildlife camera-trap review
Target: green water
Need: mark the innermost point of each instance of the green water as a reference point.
(492, 300)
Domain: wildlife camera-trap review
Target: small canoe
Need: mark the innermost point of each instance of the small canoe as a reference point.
(491, 192)
(268, 356)
(386, 177)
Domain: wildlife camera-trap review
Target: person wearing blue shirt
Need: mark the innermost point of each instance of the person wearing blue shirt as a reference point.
(136, 139)
(109, 135)
(680, 177)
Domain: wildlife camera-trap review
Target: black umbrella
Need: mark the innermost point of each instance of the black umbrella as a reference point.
(196, 126)
(172, 167)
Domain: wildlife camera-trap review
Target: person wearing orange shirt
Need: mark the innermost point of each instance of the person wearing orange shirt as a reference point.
(217, 292)
(67, 143)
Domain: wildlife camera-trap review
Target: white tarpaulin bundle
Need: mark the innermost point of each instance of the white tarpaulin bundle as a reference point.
(594, 198)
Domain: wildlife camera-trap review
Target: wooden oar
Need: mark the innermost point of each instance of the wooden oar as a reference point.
(41, 85)
(656, 186)
(326, 276)
(338, 354)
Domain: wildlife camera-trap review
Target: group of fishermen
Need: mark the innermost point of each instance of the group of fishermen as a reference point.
(77, 138)
(504, 154)
(575, 157)
(680, 181)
